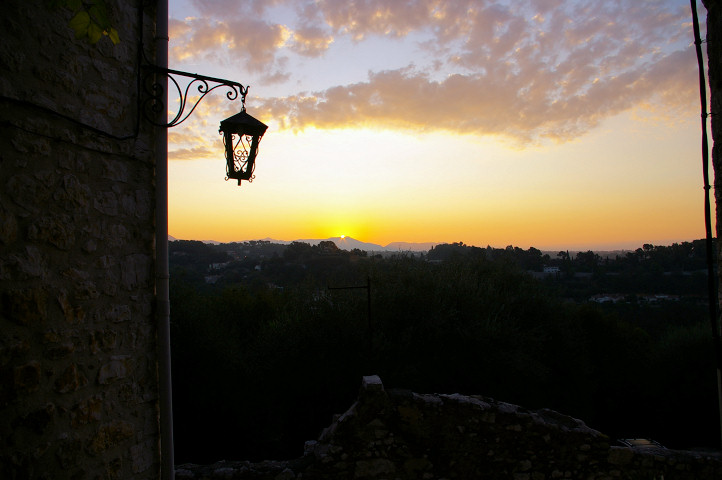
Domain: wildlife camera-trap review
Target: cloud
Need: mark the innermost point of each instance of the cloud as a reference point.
(194, 153)
(543, 69)
(197, 138)
(187, 136)
(229, 8)
(251, 42)
(310, 41)
(377, 17)
(515, 106)
(275, 77)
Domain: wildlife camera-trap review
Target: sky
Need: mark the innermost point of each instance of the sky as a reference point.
(557, 124)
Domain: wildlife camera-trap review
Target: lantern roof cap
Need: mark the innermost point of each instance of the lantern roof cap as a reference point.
(243, 123)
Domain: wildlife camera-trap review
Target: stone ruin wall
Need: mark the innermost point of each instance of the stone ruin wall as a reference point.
(78, 367)
(408, 436)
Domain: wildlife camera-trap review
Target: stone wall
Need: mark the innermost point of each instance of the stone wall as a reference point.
(404, 435)
(78, 367)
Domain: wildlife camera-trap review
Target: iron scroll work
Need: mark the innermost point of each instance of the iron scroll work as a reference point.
(241, 133)
(154, 101)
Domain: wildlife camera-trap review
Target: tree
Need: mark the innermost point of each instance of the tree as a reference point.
(298, 251)
(327, 247)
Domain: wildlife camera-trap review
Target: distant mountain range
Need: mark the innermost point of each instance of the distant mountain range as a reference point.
(348, 243)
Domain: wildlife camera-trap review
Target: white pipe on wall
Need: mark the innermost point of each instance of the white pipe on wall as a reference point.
(161, 256)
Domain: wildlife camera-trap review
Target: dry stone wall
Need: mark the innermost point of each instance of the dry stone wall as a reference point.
(78, 367)
(404, 435)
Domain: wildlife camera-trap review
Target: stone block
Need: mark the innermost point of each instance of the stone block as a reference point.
(138, 204)
(27, 192)
(286, 474)
(46, 177)
(86, 290)
(135, 271)
(374, 468)
(86, 411)
(38, 420)
(72, 314)
(57, 230)
(116, 369)
(57, 347)
(112, 237)
(110, 435)
(106, 262)
(103, 340)
(416, 466)
(68, 452)
(74, 194)
(90, 246)
(620, 455)
(109, 288)
(114, 170)
(12, 348)
(4, 270)
(113, 468)
(118, 314)
(26, 378)
(22, 142)
(8, 226)
(25, 307)
(106, 203)
(83, 286)
(69, 162)
(70, 380)
(31, 265)
(142, 456)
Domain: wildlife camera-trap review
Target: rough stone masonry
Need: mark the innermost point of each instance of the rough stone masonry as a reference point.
(401, 435)
(78, 367)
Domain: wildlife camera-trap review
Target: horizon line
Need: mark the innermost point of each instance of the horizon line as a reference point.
(622, 246)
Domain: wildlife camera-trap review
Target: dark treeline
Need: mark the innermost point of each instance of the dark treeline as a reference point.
(264, 353)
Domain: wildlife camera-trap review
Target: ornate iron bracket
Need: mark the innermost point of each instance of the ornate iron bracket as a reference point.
(154, 102)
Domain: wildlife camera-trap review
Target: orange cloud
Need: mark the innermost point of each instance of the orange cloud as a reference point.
(310, 41)
(543, 69)
(380, 17)
(523, 108)
(253, 42)
(195, 153)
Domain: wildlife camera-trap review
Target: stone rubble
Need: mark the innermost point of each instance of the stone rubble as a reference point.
(401, 435)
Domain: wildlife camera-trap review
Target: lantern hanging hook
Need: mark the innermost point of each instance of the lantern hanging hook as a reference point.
(244, 92)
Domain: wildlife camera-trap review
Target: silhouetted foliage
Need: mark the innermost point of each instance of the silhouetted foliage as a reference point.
(264, 353)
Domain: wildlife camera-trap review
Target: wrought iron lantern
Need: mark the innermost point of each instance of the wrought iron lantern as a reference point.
(241, 135)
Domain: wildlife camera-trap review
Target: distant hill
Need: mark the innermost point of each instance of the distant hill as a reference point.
(212, 242)
(346, 243)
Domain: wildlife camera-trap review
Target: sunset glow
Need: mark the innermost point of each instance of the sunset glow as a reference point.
(496, 127)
